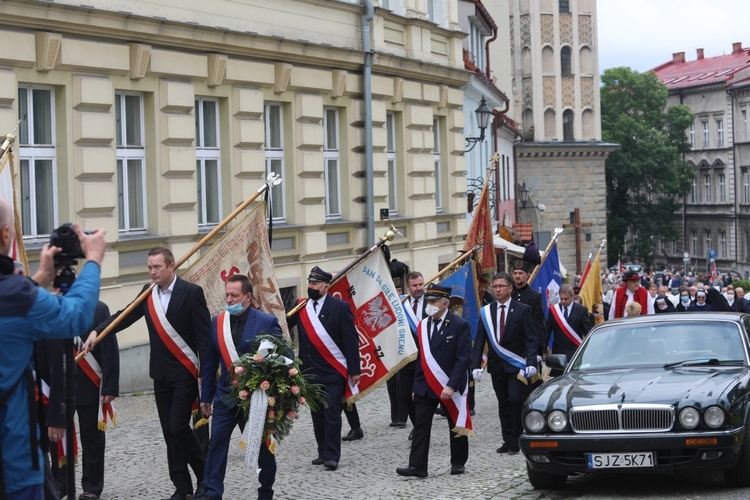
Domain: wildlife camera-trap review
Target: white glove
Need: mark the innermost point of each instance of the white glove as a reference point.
(477, 374)
(538, 358)
(530, 371)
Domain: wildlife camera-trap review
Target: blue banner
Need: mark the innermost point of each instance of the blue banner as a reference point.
(548, 280)
(462, 283)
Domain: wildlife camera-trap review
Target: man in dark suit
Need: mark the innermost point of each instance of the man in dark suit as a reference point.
(568, 323)
(507, 327)
(441, 376)
(237, 327)
(179, 326)
(414, 309)
(329, 350)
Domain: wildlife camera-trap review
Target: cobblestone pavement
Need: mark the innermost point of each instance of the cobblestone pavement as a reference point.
(136, 463)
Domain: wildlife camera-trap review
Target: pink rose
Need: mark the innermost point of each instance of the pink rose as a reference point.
(295, 390)
(301, 400)
(293, 372)
(257, 358)
(235, 382)
(244, 394)
(265, 385)
(239, 369)
(271, 401)
(292, 414)
(271, 414)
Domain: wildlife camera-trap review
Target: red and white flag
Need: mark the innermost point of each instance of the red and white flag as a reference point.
(385, 340)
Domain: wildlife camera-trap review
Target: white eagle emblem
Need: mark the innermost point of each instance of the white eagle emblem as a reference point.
(376, 316)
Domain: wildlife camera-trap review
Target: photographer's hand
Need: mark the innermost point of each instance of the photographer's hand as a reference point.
(45, 275)
(93, 245)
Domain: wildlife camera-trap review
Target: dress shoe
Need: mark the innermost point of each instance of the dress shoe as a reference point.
(200, 491)
(471, 412)
(411, 435)
(457, 469)
(504, 448)
(331, 464)
(206, 497)
(180, 496)
(318, 461)
(400, 425)
(514, 448)
(411, 471)
(87, 495)
(353, 435)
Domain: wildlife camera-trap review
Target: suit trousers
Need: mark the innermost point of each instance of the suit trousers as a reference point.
(420, 445)
(93, 442)
(327, 422)
(405, 389)
(224, 420)
(352, 416)
(392, 385)
(174, 404)
(510, 396)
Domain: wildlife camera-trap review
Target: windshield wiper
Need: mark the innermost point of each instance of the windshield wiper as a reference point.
(705, 362)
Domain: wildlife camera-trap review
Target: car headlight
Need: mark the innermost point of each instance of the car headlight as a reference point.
(689, 418)
(534, 421)
(557, 421)
(714, 417)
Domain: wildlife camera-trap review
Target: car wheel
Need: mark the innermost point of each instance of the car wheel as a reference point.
(544, 480)
(739, 475)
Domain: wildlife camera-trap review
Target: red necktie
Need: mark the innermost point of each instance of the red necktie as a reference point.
(414, 305)
(501, 326)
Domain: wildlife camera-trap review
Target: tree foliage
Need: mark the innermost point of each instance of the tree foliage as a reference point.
(647, 176)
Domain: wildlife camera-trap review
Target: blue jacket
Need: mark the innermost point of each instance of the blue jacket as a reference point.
(28, 314)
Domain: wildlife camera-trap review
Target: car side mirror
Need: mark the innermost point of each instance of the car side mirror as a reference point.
(558, 361)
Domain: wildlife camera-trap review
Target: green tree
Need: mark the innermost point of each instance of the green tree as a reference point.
(647, 176)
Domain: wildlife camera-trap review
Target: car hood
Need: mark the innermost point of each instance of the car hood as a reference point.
(700, 386)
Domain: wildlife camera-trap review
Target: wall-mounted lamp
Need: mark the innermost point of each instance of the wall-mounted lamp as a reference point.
(523, 191)
(484, 115)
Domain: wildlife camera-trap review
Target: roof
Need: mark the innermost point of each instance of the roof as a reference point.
(525, 230)
(680, 74)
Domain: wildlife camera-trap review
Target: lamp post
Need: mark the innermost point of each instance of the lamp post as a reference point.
(484, 115)
(524, 192)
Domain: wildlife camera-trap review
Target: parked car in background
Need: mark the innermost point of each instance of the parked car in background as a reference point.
(657, 394)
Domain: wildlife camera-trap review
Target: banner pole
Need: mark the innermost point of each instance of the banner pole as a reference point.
(553, 241)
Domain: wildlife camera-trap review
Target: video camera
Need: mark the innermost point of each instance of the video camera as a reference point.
(65, 237)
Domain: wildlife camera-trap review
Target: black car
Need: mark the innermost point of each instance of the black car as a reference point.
(661, 394)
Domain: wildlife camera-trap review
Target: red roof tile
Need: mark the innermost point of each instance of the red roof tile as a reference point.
(701, 72)
(525, 231)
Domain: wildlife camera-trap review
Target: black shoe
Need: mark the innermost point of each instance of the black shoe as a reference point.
(206, 497)
(441, 411)
(471, 412)
(331, 464)
(504, 448)
(400, 425)
(411, 435)
(353, 435)
(318, 461)
(179, 496)
(200, 491)
(457, 469)
(411, 471)
(514, 448)
(87, 495)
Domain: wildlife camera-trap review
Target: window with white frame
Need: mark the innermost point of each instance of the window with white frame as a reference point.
(707, 233)
(694, 241)
(273, 117)
(476, 45)
(746, 185)
(719, 133)
(706, 137)
(332, 162)
(691, 135)
(694, 191)
(38, 160)
(437, 163)
(208, 161)
(722, 244)
(722, 188)
(390, 153)
(707, 188)
(131, 162)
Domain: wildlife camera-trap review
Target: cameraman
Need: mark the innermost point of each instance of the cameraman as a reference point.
(30, 313)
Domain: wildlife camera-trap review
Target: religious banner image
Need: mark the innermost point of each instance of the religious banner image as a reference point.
(385, 341)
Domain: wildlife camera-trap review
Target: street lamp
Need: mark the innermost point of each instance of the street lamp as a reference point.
(524, 192)
(483, 114)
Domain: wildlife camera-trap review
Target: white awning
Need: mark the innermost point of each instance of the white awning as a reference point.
(508, 246)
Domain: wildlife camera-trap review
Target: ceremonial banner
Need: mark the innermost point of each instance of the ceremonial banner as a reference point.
(463, 284)
(480, 232)
(548, 279)
(243, 249)
(591, 289)
(385, 341)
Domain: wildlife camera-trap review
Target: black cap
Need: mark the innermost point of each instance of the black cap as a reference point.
(437, 292)
(630, 276)
(317, 274)
(522, 265)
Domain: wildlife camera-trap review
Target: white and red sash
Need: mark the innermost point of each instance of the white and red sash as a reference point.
(62, 443)
(506, 355)
(564, 325)
(226, 343)
(93, 371)
(327, 348)
(174, 342)
(437, 379)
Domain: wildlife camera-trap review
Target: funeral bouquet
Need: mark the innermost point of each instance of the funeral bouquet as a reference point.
(271, 385)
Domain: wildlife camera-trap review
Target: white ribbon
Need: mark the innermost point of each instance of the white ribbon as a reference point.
(256, 421)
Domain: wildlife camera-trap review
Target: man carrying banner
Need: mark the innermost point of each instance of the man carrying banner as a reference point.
(507, 327)
(567, 324)
(179, 326)
(232, 335)
(441, 377)
(329, 349)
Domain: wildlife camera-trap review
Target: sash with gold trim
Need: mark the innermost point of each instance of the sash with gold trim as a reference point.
(93, 371)
(327, 348)
(174, 342)
(564, 325)
(458, 405)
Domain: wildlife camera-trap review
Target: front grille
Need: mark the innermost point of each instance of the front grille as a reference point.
(622, 418)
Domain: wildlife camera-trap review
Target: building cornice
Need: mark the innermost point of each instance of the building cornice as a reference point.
(537, 150)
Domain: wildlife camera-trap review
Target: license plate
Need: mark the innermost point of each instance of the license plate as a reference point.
(620, 460)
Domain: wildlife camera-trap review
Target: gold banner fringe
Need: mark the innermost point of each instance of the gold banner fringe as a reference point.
(383, 380)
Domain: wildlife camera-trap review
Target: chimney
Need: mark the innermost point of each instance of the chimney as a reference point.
(678, 57)
(700, 54)
(736, 47)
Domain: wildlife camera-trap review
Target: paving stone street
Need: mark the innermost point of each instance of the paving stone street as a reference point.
(136, 463)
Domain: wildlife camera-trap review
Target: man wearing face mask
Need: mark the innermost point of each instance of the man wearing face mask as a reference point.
(232, 335)
(329, 350)
(441, 376)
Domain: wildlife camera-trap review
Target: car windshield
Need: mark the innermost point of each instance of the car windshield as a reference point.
(670, 344)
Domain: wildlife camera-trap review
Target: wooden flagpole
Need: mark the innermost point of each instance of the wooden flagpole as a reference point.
(558, 232)
(272, 180)
(448, 267)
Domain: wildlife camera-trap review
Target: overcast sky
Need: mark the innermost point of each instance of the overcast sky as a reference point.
(643, 34)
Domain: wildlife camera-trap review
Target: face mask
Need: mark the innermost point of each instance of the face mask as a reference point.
(431, 309)
(685, 300)
(313, 294)
(235, 309)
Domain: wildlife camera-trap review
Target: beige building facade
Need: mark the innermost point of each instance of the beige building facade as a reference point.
(155, 119)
